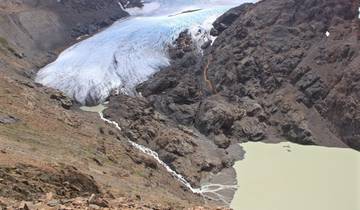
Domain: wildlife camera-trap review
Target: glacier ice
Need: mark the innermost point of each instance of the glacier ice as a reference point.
(128, 52)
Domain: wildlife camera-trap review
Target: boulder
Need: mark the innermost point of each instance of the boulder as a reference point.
(141, 158)
(249, 128)
(216, 115)
(222, 141)
(62, 99)
(297, 133)
(8, 119)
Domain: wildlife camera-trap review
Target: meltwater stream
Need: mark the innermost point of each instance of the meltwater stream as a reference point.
(129, 51)
(208, 191)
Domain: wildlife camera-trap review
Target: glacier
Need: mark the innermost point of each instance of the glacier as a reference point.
(129, 51)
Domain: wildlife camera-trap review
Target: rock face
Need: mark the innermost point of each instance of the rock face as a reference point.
(274, 73)
(224, 21)
(278, 53)
(183, 149)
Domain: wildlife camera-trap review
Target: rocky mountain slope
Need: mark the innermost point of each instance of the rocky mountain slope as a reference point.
(278, 71)
(52, 154)
(298, 61)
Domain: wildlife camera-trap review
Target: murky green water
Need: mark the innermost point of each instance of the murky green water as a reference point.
(98, 108)
(287, 176)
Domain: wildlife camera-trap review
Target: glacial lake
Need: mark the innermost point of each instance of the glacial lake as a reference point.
(97, 109)
(288, 176)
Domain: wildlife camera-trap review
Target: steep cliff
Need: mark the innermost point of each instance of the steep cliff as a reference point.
(290, 67)
(278, 71)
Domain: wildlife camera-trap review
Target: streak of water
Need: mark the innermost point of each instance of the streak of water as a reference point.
(208, 191)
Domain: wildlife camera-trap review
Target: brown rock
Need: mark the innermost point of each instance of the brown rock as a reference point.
(62, 99)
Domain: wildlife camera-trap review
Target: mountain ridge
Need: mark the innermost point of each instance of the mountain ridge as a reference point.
(272, 74)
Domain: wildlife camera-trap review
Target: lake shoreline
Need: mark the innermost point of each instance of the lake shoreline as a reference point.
(284, 175)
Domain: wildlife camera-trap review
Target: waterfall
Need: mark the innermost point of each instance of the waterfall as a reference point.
(209, 191)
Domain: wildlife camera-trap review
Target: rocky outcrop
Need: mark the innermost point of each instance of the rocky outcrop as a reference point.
(182, 148)
(278, 70)
(224, 21)
(279, 53)
(60, 98)
(24, 182)
(7, 119)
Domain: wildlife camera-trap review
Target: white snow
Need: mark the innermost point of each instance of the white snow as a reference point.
(129, 51)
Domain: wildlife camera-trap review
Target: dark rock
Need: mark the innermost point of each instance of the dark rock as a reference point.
(184, 114)
(215, 115)
(249, 128)
(65, 101)
(298, 134)
(222, 141)
(316, 91)
(307, 80)
(97, 161)
(173, 143)
(132, 3)
(23, 206)
(206, 44)
(30, 73)
(298, 73)
(8, 119)
(206, 166)
(224, 21)
(158, 86)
